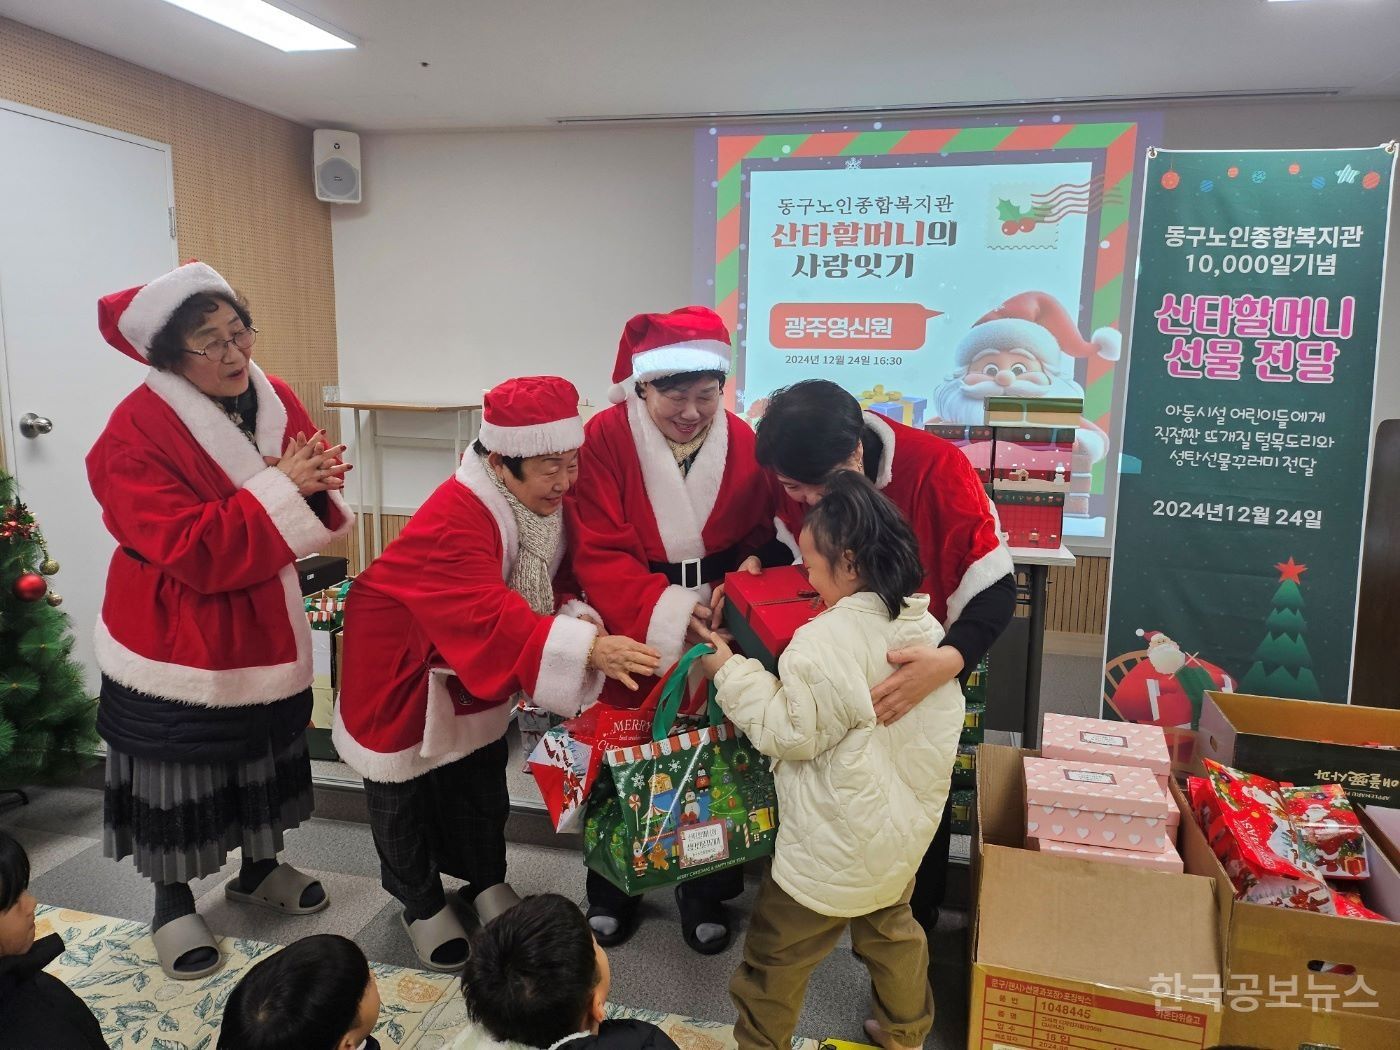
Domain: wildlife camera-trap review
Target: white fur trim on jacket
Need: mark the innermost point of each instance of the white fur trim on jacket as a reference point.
(702, 355)
(541, 439)
(453, 736)
(153, 305)
(877, 423)
(681, 504)
(670, 618)
(230, 448)
(234, 687)
(786, 538)
(565, 684)
(980, 575)
(471, 473)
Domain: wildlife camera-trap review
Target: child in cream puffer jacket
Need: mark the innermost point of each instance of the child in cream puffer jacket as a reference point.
(858, 802)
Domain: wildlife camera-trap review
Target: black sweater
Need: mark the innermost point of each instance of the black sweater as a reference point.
(37, 1010)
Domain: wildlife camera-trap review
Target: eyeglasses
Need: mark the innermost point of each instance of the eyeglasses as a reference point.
(218, 350)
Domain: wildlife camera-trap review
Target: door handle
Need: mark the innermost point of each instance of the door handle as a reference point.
(32, 426)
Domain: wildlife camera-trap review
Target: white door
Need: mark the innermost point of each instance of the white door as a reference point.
(83, 211)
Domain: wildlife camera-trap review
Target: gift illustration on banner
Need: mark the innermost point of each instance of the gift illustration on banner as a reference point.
(891, 403)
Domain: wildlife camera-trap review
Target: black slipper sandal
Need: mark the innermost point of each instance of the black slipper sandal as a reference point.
(693, 913)
(626, 919)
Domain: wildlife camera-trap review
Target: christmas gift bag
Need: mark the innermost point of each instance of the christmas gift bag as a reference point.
(684, 804)
(566, 760)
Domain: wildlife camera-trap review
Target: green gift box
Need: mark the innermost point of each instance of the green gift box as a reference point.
(689, 803)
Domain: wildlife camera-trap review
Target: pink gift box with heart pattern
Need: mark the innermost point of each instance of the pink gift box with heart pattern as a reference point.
(1074, 738)
(1096, 804)
(1077, 739)
(1168, 860)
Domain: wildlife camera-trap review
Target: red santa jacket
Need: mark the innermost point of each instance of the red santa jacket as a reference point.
(203, 604)
(632, 506)
(936, 489)
(436, 604)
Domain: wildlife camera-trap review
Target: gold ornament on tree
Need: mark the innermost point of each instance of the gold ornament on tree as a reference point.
(48, 567)
(54, 599)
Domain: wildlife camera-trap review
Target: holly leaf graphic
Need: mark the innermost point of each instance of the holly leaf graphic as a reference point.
(1007, 211)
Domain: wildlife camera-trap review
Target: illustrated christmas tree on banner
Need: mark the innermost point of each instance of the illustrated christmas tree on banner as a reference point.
(47, 717)
(1282, 663)
(725, 801)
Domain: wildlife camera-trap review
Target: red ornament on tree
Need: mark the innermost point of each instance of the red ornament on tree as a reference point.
(1170, 180)
(30, 587)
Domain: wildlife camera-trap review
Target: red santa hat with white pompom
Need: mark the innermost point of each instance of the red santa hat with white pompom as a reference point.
(1039, 324)
(691, 339)
(131, 319)
(531, 416)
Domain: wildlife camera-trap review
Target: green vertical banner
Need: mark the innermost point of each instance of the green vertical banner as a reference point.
(1247, 429)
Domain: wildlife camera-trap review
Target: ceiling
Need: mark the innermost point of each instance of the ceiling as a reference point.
(514, 63)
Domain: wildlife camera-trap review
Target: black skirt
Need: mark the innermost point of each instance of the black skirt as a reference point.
(179, 820)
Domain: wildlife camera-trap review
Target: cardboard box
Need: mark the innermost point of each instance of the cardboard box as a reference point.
(1290, 976)
(1060, 953)
(327, 659)
(1304, 742)
(764, 612)
(1093, 804)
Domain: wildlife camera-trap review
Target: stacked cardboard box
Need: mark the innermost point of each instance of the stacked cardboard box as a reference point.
(1069, 952)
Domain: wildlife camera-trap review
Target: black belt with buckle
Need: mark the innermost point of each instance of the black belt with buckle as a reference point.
(693, 572)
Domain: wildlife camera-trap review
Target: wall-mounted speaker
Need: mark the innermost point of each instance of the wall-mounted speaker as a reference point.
(336, 163)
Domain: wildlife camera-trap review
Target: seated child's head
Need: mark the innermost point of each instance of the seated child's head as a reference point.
(536, 974)
(856, 540)
(315, 994)
(16, 902)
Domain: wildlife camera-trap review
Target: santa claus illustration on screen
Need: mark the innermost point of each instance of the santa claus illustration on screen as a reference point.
(1026, 347)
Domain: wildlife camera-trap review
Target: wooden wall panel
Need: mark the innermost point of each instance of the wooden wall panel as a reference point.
(243, 193)
(1076, 599)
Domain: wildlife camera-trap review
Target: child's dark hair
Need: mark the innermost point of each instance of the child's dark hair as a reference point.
(853, 516)
(532, 972)
(305, 997)
(14, 870)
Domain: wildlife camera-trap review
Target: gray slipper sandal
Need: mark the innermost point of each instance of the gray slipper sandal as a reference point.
(281, 891)
(182, 935)
(430, 934)
(495, 900)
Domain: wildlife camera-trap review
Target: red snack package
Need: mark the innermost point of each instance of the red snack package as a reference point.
(1248, 829)
(1328, 830)
(1350, 906)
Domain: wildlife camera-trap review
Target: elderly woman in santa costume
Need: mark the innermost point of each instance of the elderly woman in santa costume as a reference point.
(213, 480)
(469, 608)
(814, 428)
(669, 500)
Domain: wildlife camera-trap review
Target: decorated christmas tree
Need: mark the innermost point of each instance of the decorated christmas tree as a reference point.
(1282, 664)
(47, 715)
(725, 801)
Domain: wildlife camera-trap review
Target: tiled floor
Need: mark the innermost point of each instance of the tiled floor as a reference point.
(62, 829)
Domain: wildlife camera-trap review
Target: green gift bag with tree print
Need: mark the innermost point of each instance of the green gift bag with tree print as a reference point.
(690, 802)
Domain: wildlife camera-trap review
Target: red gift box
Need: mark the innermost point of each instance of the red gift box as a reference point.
(764, 612)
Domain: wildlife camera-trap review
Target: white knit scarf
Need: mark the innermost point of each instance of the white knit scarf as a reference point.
(541, 536)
